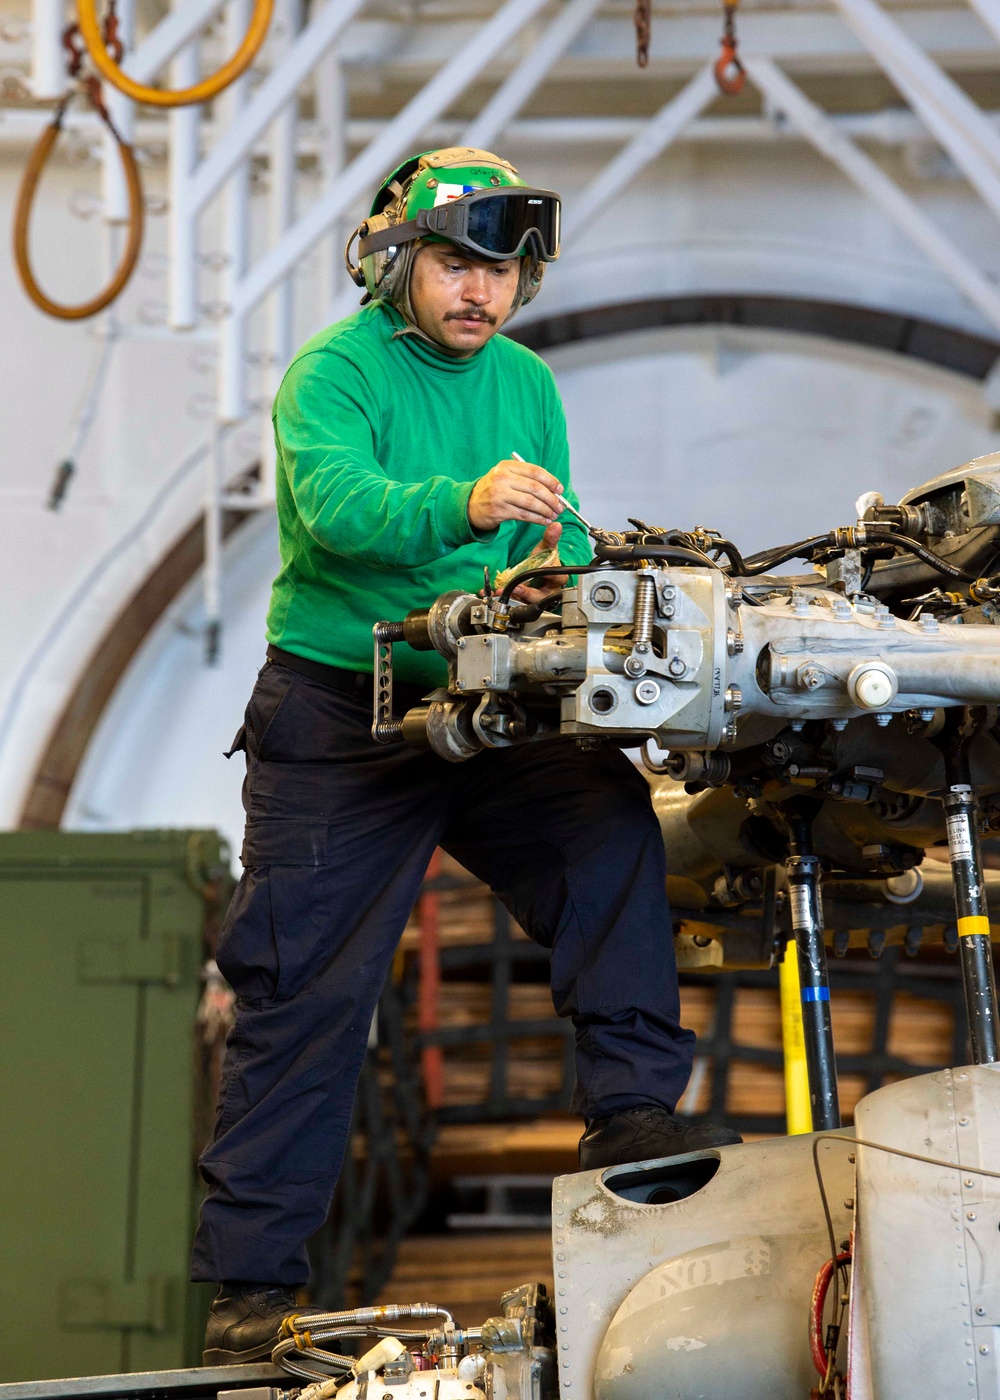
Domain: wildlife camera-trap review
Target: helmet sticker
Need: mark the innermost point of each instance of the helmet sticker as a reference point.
(444, 194)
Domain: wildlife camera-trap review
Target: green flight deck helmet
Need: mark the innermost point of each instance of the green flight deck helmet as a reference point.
(473, 199)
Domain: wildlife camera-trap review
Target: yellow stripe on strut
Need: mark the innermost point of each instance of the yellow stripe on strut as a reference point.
(974, 925)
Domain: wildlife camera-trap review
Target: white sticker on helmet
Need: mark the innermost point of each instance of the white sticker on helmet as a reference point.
(444, 194)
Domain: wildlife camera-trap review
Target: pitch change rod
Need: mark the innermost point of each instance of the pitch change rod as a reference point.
(802, 869)
(961, 815)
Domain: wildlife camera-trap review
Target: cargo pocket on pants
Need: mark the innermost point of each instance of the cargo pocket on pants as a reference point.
(278, 934)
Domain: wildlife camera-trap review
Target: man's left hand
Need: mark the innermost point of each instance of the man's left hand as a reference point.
(524, 593)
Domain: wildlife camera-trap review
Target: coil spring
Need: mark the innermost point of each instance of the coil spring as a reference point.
(645, 606)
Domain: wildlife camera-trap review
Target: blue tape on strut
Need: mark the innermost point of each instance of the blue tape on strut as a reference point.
(815, 993)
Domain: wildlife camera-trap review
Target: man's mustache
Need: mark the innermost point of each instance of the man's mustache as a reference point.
(470, 315)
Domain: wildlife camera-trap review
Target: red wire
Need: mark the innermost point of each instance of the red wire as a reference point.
(820, 1289)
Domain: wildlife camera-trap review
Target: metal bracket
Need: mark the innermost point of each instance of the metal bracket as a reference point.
(385, 729)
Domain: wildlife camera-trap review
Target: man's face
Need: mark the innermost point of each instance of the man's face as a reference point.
(457, 300)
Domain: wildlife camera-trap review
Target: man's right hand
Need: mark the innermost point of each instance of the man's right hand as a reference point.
(514, 491)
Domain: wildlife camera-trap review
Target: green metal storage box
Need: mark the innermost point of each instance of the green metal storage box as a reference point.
(103, 939)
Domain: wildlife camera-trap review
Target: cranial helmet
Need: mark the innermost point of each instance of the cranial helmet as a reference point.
(472, 199)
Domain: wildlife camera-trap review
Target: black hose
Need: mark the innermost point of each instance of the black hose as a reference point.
(771, 558)
(630, 553)
(547, 572)
(531, 612)
(736, 561)
(925, 555)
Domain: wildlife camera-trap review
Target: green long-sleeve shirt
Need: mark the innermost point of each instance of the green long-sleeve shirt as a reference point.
(380, 441)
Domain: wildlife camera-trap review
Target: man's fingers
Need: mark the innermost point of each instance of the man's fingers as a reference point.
(537, 503)
(538, 474)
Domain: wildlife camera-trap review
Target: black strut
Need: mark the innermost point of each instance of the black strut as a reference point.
(962, 818)
(802, 869)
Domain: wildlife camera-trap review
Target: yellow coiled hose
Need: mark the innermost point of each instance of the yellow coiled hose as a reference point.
(22, 217)
(108, 67)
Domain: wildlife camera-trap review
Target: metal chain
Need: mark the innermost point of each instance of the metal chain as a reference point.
(643, 30)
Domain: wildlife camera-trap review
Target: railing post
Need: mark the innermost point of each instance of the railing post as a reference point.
(183, 221)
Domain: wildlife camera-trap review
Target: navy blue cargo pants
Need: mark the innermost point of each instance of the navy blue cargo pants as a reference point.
(339, 833)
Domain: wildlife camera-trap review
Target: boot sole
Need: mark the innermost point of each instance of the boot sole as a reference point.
(215, 1356)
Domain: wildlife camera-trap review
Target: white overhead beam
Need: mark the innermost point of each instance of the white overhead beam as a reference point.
(989, 12)
(398, 139)
(48, 64)
(810, 38)
(167, 39)
(278, 88)
(511, 96)
(650, 143)
(818, 129)
(895, 126)
(961, 127)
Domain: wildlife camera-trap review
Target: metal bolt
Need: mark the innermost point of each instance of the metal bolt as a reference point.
(970, 1215)
(647, 692)
(811, 678)
(487, 640)
(461, 685)
(734, 643)
(968, 1181)
(461, 643)
(733, 698)
(883, 719)
(925, 716)
(984, 1351)
(838, 725)
(796, 725)
(676, 666)
(928, 622)
(963, 1122)
(980, 1312)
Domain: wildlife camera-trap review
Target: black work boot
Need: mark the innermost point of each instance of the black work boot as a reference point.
(244, 1320)
(639, 1134)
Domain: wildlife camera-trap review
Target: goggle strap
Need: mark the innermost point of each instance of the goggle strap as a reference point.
(385, 238)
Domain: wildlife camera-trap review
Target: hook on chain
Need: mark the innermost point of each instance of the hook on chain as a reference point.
(729, 71)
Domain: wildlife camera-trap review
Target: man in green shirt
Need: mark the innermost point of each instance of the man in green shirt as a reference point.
(395, 432)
